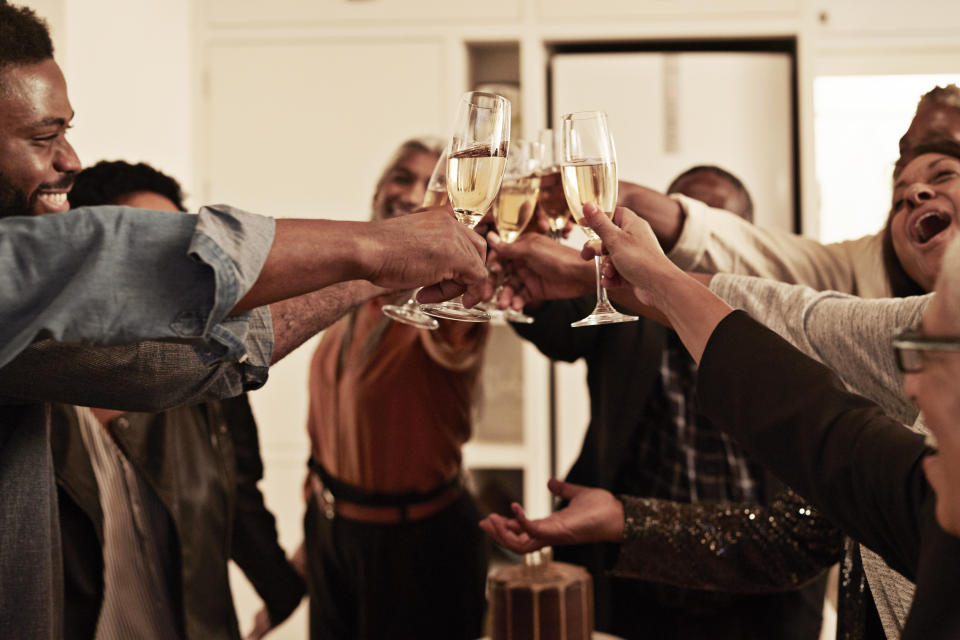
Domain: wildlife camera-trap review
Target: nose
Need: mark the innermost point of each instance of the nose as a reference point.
(918, 193)
(66, 160)
(910, 381)
(416, 193)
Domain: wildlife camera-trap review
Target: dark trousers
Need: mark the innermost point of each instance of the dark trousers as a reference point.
(422, 579)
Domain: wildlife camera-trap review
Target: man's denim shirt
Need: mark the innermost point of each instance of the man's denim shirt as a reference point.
(114, 275)
(109, 275)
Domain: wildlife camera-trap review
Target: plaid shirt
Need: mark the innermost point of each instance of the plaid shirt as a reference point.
(675, 453)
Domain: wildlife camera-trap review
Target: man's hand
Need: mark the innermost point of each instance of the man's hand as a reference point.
(427, 248)
(593, 515)
(537, 268)
(542, 223)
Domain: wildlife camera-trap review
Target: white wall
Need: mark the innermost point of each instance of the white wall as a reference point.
(129, 72)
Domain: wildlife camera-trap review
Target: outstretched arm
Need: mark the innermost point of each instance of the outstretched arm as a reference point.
(113, 275)
(696, 546)
(401, 253)
(850, 335)
(697, 237)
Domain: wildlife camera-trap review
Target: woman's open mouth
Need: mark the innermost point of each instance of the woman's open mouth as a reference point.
(929, 225)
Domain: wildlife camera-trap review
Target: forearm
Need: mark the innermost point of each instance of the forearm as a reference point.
(717, 241)
(625, 297)
(147, 376)
(665, 215)
(113, 275)
(307, 255)
(298, 319)
(689, 307)
(859, 467)
(735, 548)
(850, 335)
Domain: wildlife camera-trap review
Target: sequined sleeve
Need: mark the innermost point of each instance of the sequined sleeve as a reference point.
(727, 547)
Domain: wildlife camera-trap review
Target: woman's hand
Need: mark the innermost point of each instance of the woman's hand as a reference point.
(593, 515)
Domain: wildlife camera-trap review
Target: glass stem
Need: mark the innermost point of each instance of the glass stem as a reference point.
(601, 292)
(603, 303)
(412, 300)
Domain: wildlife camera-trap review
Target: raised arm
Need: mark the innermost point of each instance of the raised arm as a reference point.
(700, 238)
(850, 335)
(110, 275)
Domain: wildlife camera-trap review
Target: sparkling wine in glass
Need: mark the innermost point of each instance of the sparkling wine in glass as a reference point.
(515, 205)
(589, 175)
(476, 158)
(436, 196)
(552, 202)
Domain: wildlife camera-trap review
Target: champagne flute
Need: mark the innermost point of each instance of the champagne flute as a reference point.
(516, 202)
(589, 172)
(436, 196)
(552, 202)
(475, 163)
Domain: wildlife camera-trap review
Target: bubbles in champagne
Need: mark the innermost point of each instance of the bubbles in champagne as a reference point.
(473, 179)
(590, 182)
(515, 205)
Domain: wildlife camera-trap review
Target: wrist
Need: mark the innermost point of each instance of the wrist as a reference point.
(619, 531)
(660, 289)
(367, 249)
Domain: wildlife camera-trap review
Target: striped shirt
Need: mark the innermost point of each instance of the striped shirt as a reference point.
(138, 559)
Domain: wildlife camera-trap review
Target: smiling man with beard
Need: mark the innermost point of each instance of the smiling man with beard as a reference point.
(37, 164)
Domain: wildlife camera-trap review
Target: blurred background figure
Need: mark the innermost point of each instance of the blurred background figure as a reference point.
(392, 544)
(715, 187)
(152, 506)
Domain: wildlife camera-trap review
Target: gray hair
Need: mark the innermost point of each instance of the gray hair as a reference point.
(422, 144)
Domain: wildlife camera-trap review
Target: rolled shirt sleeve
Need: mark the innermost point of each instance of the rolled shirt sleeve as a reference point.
(115, 275)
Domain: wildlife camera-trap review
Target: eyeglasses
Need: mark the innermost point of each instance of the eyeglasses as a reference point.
(909, 346)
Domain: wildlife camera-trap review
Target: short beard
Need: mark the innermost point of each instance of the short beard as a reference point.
(13, 201)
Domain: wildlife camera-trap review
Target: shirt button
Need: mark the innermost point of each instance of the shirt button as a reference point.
(122, 423)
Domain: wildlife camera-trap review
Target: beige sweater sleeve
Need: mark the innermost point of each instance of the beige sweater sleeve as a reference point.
(714, 241)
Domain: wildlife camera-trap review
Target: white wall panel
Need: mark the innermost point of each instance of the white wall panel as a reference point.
(303, 128)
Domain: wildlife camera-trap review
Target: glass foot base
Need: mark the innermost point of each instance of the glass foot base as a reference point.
(608, 317)
(455, 311)
(410, 314)
(517, 316)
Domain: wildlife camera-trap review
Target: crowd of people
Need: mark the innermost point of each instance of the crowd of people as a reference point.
(781, 407)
